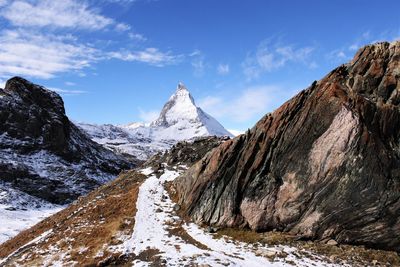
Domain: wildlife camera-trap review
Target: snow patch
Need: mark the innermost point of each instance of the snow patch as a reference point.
(153, 220)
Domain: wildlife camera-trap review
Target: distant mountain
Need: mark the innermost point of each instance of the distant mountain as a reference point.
(325, 165)
(180, 119)
(44, 158)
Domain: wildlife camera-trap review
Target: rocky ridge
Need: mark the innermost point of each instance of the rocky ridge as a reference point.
(325, 165)
(42, 153)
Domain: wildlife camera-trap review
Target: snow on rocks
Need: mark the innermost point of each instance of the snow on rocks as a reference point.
(180, 119)
(152, 232)
(34, 241)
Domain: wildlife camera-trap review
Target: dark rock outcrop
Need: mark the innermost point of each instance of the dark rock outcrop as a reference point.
(325, 165)
(42, 153)
(186, 152)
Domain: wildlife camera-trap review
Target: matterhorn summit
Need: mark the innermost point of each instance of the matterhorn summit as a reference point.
(180, 119)
(180, 106)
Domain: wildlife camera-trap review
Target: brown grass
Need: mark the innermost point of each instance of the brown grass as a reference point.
(179, 231)
(82, 229)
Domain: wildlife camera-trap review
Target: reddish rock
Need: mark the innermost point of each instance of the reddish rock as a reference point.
(325, 165)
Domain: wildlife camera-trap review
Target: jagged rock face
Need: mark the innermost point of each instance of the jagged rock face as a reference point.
(34, 114)
(326, 164)
(186, 152)
(42, 152)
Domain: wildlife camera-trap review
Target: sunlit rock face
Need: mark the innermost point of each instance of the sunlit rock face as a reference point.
(325, 165)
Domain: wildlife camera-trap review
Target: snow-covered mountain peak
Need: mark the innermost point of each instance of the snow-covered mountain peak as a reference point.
(181, 118)
(180, 106)
(181, 86)
(182, 95)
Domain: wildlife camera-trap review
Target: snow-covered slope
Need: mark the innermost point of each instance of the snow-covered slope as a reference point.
(19, 210)
(135, 143)
(134, 221)
(45, 160)
(180, 119)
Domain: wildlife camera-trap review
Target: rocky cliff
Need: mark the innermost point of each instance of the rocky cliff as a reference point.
(325, 165)
(42, 153)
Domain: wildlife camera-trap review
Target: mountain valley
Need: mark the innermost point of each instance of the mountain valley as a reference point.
(314, 183)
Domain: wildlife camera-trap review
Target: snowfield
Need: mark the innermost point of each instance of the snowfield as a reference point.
(155, 218)
(19, 211)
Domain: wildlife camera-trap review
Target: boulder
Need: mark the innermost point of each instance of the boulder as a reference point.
(325, 165)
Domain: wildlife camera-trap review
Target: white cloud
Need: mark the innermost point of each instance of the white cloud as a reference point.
(3, 2)
(338, 56)
(122, 27)
(33, 45)
(150, 55)
(50, 13)
(251, 103)
(70, 83)
(354, 47)
(148, 116)
(198, 66)
(65, 92)
(137, 37)
(223, 69)
(269, 57)
(120, 1)
(37, 55)
(197, 63)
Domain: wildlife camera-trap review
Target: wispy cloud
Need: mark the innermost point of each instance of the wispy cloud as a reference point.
(3, 2)
(151, 56)
(44, 38)
(148, 116)
(50, 13)
(270, 56)
(123, 2)
(197, 62)
(137, 37)
(360, 41)
(339, 56)
(251, 103)
(223, 69)
(346, 52)
(122, 27)
(65, 92)
(37, 55)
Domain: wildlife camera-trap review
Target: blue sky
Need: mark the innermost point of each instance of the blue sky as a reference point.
(118, 61)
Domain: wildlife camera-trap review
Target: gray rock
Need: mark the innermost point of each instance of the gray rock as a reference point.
(176, 207)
